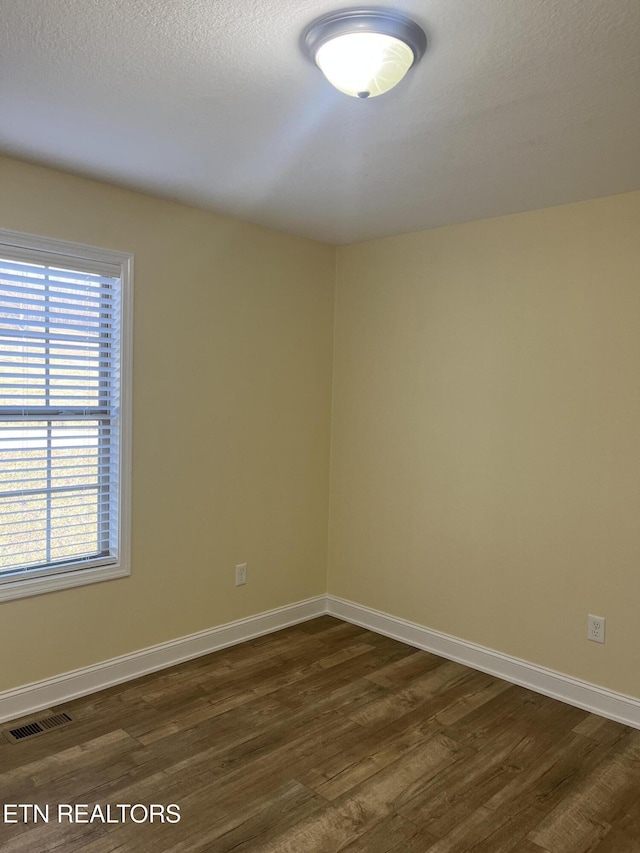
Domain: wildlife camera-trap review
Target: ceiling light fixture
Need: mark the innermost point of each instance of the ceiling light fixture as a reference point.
(364, 52)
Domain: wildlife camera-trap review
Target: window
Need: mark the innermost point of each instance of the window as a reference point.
(65, 414)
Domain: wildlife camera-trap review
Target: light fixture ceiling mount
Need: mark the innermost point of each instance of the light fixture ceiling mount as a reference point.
(364, 52)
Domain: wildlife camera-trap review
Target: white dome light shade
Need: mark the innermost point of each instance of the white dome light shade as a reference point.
(364, 52)
(364, 64)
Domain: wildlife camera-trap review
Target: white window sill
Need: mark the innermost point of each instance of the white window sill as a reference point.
(64, 580)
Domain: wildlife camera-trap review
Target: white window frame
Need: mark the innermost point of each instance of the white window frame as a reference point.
(70, 575)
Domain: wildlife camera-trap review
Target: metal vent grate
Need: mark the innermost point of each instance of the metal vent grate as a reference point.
(38, 727)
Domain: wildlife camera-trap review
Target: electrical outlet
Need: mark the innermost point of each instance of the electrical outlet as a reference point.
(595, 630)
(241, 574)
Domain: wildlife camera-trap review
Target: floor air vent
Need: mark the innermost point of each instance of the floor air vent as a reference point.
(38, 727)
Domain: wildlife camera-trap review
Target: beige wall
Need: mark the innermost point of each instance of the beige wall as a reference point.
(232, 385)
(486, 433)
(486, 429)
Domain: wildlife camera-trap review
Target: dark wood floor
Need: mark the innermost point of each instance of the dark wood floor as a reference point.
(328, 737)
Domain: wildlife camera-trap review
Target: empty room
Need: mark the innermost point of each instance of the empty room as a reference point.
(319, 426)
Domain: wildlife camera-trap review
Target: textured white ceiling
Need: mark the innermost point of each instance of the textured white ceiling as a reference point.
(517, 104)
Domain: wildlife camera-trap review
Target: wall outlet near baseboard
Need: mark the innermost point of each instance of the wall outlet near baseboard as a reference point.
(595, 630)
(241, 574)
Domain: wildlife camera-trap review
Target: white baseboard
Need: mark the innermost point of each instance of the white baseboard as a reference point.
(597, 700)
(31, 698)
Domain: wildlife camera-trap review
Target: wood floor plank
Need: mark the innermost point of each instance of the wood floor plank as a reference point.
(481, 832)
(624, 836)
(549, 778)
(393, 834)
(358, 754)
(371, 754)
(237, 692)
(323, 737)
(344, 820)
(231, 776)
(399, 673)
(205, 829)
(603, 731)
(38, 773)
(317, 683)
(444, 802)
(248, 827)
(418, 692)
(84, 729)
(585, 814)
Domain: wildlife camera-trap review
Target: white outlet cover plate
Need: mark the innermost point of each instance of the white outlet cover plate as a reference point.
(595, 629)
(241, 574)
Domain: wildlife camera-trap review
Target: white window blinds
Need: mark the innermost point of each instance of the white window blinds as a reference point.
(60, 413)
